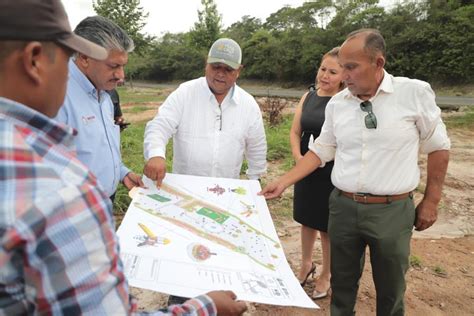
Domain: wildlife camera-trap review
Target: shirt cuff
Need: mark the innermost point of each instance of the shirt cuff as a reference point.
(157, 152)
(123, 172)
(324, 153)
(203, 305)
(439, 140)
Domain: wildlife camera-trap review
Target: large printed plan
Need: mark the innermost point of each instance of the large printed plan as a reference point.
(198, 234)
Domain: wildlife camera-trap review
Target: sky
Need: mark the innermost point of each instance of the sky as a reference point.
(180, 15)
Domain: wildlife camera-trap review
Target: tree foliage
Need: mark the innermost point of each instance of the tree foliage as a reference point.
(129, 16)
(208, 27)
(174, 58)
(243, 30)
(428, 40)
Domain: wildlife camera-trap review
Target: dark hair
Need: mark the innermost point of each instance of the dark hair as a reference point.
(374, 41)
(105, 33)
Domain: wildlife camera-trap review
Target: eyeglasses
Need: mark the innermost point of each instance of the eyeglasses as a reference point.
(370, 119)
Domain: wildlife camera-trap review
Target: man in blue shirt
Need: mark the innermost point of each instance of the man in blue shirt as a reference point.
(89, 109)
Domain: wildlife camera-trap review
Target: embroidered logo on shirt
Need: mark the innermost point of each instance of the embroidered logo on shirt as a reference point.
(88, 119)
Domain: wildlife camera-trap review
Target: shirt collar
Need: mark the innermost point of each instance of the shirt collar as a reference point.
(82, 80)
(25, 116)
(232, 95)
(386, 86)
(387, 83)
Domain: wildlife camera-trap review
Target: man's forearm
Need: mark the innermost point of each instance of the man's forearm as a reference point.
(437, 167)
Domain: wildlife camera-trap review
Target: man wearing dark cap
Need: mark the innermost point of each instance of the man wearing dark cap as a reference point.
(214, 123)
(59, 252)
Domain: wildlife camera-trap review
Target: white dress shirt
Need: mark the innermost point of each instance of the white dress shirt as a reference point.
(209, 140)
(381, 161)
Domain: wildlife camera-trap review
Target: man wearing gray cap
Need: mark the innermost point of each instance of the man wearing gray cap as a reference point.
(58, 249)
(214, 123)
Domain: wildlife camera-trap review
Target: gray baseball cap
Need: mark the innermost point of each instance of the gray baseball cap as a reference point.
(226, 51)
(43, 20)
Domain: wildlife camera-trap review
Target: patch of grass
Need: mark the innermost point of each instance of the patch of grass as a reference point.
(259, 84)
(288, 163)
(463, 120)
(440, 271)
(415, 262)
(132, 157)
(139, 95)
(466, 90)
(282, 209)
(278, 142)
(136, 109)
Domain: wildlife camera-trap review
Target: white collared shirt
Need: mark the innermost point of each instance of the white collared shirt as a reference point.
(209, 140)
(381, 161)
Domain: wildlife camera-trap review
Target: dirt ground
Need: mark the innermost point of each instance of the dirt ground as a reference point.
(441, 278)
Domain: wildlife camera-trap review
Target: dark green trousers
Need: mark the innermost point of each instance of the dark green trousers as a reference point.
(386, 229)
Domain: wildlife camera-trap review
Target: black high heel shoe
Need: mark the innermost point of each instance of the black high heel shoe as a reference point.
(311, 272)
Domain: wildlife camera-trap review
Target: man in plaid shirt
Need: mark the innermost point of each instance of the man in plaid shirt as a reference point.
(59, 252)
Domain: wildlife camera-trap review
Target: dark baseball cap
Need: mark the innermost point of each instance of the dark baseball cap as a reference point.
(43, 20)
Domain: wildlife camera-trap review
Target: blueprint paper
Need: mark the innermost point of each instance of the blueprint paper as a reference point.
(198, 234)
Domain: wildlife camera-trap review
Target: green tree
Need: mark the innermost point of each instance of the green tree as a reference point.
(426, 51)
(309, 15)
(129, 16)
(208, 27)
(301, 40)
(288, 46)
(173, 58)
(243, 30)
(260, 56)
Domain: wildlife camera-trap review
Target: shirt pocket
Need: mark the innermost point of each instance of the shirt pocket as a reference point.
(396, 136)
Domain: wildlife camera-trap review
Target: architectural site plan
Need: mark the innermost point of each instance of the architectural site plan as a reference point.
(198, 234)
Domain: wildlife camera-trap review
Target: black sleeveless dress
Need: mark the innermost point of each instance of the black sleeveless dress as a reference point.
(311, 194)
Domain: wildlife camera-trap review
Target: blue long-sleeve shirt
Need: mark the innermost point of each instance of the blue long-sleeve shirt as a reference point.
(98, 140)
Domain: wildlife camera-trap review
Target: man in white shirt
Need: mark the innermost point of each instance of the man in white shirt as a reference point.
(374, 130)
(214, 123)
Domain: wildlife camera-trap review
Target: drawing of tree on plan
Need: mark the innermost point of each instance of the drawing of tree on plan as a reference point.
(197, 234)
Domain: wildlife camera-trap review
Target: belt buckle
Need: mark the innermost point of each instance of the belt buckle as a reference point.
(357, 195)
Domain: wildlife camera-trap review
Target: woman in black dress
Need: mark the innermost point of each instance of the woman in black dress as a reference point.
(310, 203)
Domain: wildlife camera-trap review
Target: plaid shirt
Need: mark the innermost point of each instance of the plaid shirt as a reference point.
(59, 251)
